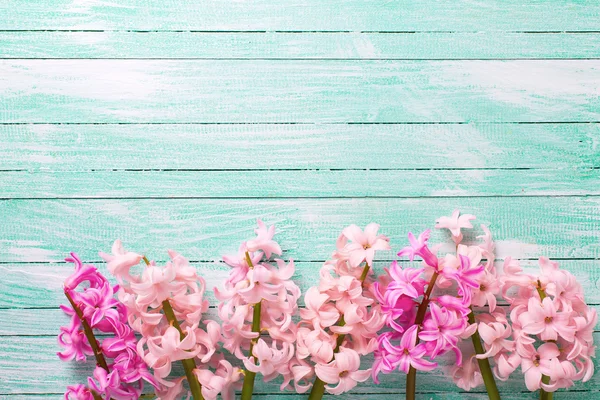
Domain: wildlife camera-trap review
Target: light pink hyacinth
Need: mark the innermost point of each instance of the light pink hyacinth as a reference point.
(547, 308)
(161, 345)
(254, 278)
(343, 371)
(455, 223)
(341, 319)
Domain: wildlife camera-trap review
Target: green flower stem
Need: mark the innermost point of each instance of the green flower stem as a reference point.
(95, 395)
(484, 364)
(89, 334)
(545, 378)
(543, 394)
(411, 377)
(189, 365)
(318, 389)
(249, 376)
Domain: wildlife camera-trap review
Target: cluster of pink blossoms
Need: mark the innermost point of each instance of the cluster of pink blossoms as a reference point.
(550, 329)
(424, 324)
(341, 318)
(427, 312)
(156, 301)
(254, 280)
(120, 372)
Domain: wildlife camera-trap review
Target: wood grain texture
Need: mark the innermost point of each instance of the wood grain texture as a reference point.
(303, 15)
(273, 45)
(85, 147)
(46, 230)
(299, 184)
(104, 91)
(23, 374)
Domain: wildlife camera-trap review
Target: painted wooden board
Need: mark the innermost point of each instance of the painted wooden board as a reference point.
(300, 184)
(85, 147)
(275, 46)
(46, 230)
(323, 91)
(303, 15)
(23, 373)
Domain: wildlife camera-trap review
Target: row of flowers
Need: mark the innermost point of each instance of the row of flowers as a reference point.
(413, 317)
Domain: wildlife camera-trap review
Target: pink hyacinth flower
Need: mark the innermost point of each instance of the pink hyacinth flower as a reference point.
(74, 341)
(120, 261)
(418, 247)
(495, 336)
(364, 244)
(78, 392)
(317, 311)
(538, 364)
(408, 354)
(221, 381)
(343, 372)
(264, 240)
(467, 376)
(543, 319)
(454, 224)
(156, 285)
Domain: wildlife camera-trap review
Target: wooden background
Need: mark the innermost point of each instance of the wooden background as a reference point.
(175, 124)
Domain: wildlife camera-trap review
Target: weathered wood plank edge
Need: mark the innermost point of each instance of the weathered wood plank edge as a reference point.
(301, 15)
(292, 31)
(257, 45)
(163, 198)
(299, 59)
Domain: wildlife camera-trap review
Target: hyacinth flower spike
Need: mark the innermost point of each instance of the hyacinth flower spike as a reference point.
(341, 318)
(165, 305)
(260, 297)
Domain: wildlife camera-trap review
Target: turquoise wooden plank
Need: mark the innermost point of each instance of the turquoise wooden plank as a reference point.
(304, 184)
(272, 45)
(300, 15)
(314, 146)
(104, 91)
(525, 227)
(28, 291)
(31, 366)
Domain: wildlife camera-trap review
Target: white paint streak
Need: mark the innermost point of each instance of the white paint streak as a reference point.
(35, 279)
(531, 84)
(30, 254)
(364, 47)
(517, 249)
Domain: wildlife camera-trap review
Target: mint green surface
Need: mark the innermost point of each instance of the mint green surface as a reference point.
(175, 124)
